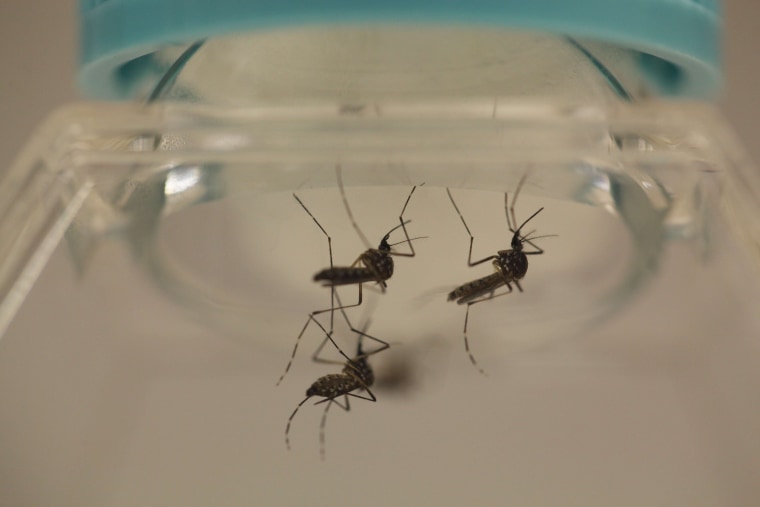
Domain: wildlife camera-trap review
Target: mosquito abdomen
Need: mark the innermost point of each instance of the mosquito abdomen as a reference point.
(476, 288)
(345, 276)
(333, 385)
(378, 267)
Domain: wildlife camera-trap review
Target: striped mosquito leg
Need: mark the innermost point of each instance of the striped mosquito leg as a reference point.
(290, 419)
(467, 342)
(329, 249)
(298, 340)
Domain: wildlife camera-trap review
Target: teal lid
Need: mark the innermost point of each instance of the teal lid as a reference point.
(677, 39)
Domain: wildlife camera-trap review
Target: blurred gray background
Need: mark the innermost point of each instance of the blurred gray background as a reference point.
(38, 53)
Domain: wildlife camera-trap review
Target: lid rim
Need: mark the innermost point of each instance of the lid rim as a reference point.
(682, 34)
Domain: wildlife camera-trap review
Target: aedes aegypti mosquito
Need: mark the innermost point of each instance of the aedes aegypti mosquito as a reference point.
(357, 375)
(510, 266)
(372, 265)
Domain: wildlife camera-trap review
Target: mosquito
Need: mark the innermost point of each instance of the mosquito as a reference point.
(372, 265)
(357, 375)
(510, 266)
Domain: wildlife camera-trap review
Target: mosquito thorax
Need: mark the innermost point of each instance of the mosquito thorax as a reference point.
(360, 367)
(519, 262)
(367, 375)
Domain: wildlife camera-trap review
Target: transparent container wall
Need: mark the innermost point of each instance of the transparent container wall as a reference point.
(157, 271)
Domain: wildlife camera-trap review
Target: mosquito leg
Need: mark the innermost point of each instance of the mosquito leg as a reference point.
(318, 359)
(338, 172)
(328, 336)
(346, 406)
(295, 349)
(362, 334)
(514, 202)
(329, 248)
(371, 398)
(323, 424)
(290, 419)
(538, 250)
(341, 307)
(298, 340)
(466, 319)
(527, 239)
(467, 341)
(472, 238)
(403, 227)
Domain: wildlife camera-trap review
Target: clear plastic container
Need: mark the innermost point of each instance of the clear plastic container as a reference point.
(156, 272)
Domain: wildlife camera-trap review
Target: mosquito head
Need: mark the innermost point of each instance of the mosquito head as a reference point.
(517, 241)
(384, 245)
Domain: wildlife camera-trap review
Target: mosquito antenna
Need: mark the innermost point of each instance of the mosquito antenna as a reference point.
(339, 172)
(409, 240)
(531, 238)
